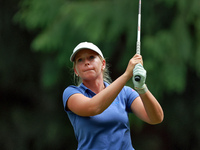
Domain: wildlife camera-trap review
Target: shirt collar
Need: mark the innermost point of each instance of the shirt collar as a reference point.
(82, 86)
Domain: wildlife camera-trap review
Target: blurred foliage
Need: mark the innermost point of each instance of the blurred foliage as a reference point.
(36, 41)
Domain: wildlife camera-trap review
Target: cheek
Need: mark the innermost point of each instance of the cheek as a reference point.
(99, 65)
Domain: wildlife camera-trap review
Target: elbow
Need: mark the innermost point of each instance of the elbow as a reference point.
(158, 120)
(161, 117)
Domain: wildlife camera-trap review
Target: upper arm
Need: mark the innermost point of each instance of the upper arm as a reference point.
(80, 105)
(138, 109)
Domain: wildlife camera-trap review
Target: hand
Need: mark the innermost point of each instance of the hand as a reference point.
(132, 62)
(139, 85)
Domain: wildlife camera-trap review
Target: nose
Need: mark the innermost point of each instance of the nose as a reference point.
(87, 62)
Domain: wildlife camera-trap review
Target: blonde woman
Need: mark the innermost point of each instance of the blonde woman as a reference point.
(98, 110)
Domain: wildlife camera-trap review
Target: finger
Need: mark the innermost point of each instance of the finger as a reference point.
(137, 55)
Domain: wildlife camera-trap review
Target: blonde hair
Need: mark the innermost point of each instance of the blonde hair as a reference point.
(106, 76)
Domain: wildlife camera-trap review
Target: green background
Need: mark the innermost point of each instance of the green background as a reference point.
(36, 41)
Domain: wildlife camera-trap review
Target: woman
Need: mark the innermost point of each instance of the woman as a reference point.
(98, 111)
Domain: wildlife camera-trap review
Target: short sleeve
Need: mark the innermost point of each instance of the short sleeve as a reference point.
(69, 91)
(131, 96)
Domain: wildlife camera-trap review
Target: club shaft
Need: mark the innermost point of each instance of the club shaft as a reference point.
(139, 29)
(137, 77)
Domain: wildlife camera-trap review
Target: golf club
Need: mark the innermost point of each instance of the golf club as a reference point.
(137, 77)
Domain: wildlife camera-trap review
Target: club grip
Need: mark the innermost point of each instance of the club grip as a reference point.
(137, 78)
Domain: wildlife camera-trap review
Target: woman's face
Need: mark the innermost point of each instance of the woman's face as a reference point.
(88, 65)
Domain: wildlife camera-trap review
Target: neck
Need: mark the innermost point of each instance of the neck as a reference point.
(96, 86)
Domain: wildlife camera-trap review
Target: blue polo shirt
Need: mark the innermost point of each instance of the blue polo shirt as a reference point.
(109, 130)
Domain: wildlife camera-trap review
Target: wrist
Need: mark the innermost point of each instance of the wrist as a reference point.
(142, 90)
(126, 76)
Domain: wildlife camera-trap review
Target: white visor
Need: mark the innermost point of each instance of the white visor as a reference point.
(85, 45)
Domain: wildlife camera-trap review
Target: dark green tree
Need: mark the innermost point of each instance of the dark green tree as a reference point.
(34, 77)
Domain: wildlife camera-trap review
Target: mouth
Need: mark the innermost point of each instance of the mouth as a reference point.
(88, 70)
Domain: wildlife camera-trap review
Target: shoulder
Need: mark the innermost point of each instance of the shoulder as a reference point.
(69, 91)
(72, 90)
(129, 92)
(72, 87)
(130, 96)
(128, 89)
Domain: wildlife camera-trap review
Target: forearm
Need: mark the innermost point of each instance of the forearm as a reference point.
(152, 107)
(102, 100)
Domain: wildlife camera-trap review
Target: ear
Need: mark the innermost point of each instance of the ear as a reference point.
(103, 64)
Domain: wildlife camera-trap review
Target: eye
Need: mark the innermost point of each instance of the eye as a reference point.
(79, 60)
(91, 57)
